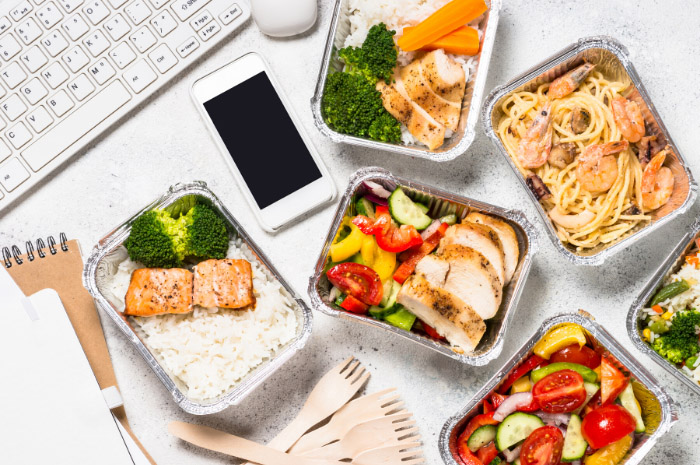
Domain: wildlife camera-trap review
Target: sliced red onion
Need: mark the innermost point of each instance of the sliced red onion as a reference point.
(555, 419)
(511, 404)
(434, 226)
(376, 199)
(333, 294)
(512, 455)
(377, 189)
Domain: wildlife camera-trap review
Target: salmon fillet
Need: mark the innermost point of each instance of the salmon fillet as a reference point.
(155, 291)
(224, 283)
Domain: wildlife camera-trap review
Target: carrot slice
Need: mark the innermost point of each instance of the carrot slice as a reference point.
(462, 41)
(442, 22)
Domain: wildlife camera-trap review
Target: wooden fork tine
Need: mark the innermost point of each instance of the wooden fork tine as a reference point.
(342, 366)
(362, 378)
(403, 424)
(408, 434)
(388, 400)
(348, 372)
(413, 461)
(392, 407)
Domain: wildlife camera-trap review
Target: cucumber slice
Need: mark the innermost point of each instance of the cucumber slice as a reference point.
(588, 375)
(405, 211)
(515, 428)
(517, 461)
(381, 313)
(574, 444)
(629, 402)
(423, 207)
(482, 436)
(449, 219)
(388, 304)
(591, 389)
(364, 207)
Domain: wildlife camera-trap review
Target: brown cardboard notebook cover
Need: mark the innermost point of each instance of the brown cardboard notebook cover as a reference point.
(62, 272)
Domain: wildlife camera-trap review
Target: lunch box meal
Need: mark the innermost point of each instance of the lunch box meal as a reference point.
(406, 76)
(571, 395)
(584, 139)
(445, 270)
(664, 322)
(197, 298)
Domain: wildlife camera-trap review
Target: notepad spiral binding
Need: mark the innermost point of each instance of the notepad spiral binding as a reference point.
(14, 252)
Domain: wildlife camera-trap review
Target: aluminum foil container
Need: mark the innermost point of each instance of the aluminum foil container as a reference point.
(635, 317)
(659, 411)
(463, 137)
(611, 58)
(109, 252)
(440, 203)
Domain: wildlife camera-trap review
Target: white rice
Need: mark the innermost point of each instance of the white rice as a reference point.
(397, 14)
(211, 350)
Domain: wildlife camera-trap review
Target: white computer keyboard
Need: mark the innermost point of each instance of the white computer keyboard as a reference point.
(71, 68)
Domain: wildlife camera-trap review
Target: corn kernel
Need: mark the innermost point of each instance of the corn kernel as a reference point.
(647, 333)
(667, 316)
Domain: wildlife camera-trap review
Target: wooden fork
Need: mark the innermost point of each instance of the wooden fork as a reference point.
(404, 454)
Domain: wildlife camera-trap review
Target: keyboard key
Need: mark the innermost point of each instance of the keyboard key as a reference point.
(55, 75)
(96, 11)
(34, 91)
(200, 20)
(76, 27)
(40, 119)
(117, 27)
(18, 135)
(137, 11)
(209, 30)
(28, 31)
(76, 59)
(81, 87)
(9, 47)
(60, 103)
(4, 24)
(158, 3)
(2, 92)
(164, 23)
(70, 5)
(4, 149)
(13, 107)
(122, 55)
(49, 15)
(162, 58)
(33, 59)
(21, 10)
(230, 13)
(186, 8)
(13, 74)
(39, 2)
(187, 47)
(96, 43)
(76, 125)
(143, 39)
(54, 43)
(117, 3)
(101, 71)
(12, 174)
(139, 76)
(2, 125)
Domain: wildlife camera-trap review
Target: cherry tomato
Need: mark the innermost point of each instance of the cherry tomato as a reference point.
(543, 447)
(412, 256)
(560, 392)
(593, 404)
(389, 237)
(353, 305)
(533, 407)
(359, 281)
(497, 399)
(524, 368)
(574, 354)
(607, 424)
(612, 381)
(487, 453)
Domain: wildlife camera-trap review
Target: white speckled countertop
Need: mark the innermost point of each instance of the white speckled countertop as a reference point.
(165, 142)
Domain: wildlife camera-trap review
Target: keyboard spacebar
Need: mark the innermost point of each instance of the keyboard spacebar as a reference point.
(76, 125)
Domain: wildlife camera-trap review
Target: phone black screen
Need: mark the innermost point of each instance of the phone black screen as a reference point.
(262, 140)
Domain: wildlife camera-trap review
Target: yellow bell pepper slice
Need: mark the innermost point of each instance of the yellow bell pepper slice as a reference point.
(612, 454)
(521, 385)
(381, 261)
(558, 338)
(369, 246)
(342, 250)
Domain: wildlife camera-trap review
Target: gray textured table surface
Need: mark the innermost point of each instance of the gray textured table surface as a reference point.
(165, 142)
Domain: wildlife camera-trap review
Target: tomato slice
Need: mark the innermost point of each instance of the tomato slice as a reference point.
(524, 368)
(533, 407)
(607, 424)
(431, 331)
(497, 399)
(574, 354)
(389, 237)
(356, 280)
(353, 305)
(413, 256)
(543, 447)
(593, 404)
(612, 381)
(560, 392)
(487, 453)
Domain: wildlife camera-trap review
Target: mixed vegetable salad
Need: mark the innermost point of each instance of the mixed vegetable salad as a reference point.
(377, 249)
(570, 401)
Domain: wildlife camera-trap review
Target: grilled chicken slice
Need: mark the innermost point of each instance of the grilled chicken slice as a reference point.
(445, 76)
(450, 316)
(506, 234)
(418, 89)
(155, 291)
(223, 283)
(419, 123)
(478, 237)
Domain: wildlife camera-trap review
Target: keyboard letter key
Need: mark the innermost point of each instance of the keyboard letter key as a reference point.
(18, 135)
(60, 103)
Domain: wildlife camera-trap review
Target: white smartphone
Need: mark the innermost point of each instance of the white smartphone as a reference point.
(264, 144)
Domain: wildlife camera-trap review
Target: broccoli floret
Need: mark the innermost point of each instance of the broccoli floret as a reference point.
(351, 105)
(157, 240)
(376, 59)
(681, 341)
(207, 236)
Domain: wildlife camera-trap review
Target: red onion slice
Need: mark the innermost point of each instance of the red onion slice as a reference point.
(512, 455)
(378, 200)
(511, 404)
(434, 226)
(555, 419)
(335, 292)
(377, 189)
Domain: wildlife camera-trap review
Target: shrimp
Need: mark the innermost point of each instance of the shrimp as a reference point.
(657, 183)
(576, 221)
(534, 148)
(597, 169)
(566, 84)
(628, 118)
